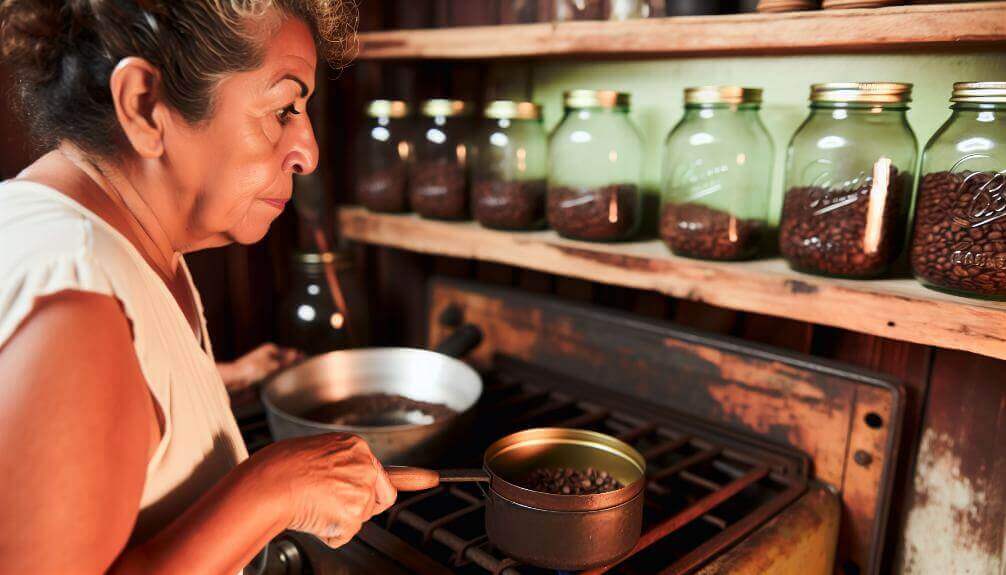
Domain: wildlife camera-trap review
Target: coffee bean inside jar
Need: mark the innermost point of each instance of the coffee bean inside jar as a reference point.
(437, 190)
(698, 231)
(850, 231)
(959, 240)
(606, 213)
(513, 205)
(383, 190)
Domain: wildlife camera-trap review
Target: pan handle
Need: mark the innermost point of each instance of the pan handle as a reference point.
(463, 340)
(419, 479)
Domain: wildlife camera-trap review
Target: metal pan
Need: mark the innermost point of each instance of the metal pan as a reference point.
(431, 376)
(564, 532)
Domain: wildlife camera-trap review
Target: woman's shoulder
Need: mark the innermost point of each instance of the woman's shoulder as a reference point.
(38, 225)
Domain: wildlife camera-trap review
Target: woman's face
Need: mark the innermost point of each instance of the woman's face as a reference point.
(236, 170)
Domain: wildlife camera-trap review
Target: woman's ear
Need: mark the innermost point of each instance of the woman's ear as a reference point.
(135, 86)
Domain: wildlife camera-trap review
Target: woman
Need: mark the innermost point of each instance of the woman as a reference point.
(173, 126)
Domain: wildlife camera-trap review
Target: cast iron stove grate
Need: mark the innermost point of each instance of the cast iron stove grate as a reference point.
(707, 487)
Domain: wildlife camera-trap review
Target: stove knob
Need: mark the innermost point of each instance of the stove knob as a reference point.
(288, 556)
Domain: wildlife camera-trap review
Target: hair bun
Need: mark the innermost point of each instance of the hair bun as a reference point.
(31, 36)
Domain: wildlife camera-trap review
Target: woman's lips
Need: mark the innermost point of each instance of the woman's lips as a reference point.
(276, 203)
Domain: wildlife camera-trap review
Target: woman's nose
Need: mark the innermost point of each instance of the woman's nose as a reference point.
(302, 157)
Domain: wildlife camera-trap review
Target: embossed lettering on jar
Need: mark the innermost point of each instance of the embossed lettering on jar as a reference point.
(959, 236)
(717, 176)
(848, 181)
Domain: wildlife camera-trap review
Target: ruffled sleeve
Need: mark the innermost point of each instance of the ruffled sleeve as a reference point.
(26, 282)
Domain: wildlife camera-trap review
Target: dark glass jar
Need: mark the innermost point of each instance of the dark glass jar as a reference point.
(309, 320)
(959, 239)
(438, 185)
(848, 183)
(509, 170)
(595, 166)
(717, 176)
(384, 150)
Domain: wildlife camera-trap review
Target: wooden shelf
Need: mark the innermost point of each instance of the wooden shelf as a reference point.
(858, 30)
(895, 308)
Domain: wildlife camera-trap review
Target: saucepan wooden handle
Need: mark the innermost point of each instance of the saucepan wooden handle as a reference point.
(419, 479)
(412, 478)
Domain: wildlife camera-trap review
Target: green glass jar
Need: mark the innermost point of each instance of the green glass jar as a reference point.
(595, 164)
(510, 167)
(717, 176)
(959, 239)
(383, 147)
(438, 184)
(849, 172)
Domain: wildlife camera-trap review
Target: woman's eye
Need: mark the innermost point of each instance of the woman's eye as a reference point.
(285, 114)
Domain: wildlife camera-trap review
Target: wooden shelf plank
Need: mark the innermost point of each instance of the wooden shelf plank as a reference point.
(900, 309)
(896, 28)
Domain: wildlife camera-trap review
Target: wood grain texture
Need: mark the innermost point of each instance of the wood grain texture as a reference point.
(903, 27)
(899, 309)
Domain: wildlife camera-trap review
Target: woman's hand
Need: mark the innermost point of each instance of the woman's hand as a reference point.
(256, 365)
(328, 484)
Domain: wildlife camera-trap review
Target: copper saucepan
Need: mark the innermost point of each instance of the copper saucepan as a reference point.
(565, 532)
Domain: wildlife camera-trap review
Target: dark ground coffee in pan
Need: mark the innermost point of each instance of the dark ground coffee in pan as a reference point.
(566, 481)
(377, 410)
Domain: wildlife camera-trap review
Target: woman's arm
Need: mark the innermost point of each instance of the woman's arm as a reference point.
(256, 365)
(77, 428)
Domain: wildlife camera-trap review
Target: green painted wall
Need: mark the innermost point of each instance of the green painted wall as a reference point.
(656, 88)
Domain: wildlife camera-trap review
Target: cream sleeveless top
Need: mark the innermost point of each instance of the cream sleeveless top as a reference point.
(50, 243)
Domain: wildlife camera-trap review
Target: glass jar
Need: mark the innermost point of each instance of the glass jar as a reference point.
(309, 320)
(959, 239)
(384, 148)
(595, 165)
(578, 10)
(717, 176)
(848, 179)
(438, 186)
(628, 9)
(509, 167)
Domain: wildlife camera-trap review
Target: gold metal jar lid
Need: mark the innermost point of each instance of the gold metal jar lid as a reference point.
(979, 92)
(444, 107)
(387, 109)
(512, 110)
(595, 99)
(722, 95)
(862, 92)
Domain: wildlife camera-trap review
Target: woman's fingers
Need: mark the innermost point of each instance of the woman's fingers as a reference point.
(385, 492)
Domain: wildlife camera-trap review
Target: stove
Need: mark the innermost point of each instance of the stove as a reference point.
(707, 488)
(752, 453)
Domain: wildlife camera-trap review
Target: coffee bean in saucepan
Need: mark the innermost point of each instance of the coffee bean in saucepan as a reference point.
(566, 481)
(383, 190)
(602, 214)
(843, 231)
(959, 239)
(437, 190)
(698, 231)
(509, 205)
